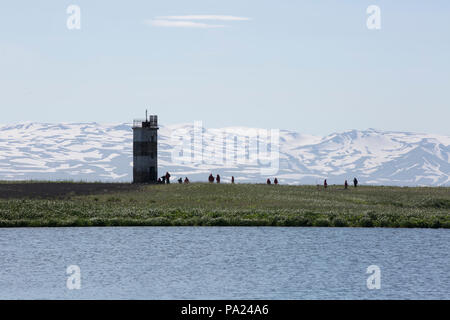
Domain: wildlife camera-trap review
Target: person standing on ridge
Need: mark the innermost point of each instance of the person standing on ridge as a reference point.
(167, 177)
(211, 178)
(232, 179)
(275, 181)
(325, 184)
(355, 182)
(345, 184)
(268, 181)
(218, 179)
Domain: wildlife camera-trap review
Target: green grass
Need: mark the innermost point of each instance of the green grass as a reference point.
(200, 204)
(52, 181)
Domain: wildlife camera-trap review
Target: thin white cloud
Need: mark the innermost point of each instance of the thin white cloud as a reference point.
(181, 24)
(205, 17)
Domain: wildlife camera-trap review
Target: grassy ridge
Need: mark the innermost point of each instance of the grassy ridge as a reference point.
(202, 204)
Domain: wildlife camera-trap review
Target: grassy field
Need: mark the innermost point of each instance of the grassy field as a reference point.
(200, 204)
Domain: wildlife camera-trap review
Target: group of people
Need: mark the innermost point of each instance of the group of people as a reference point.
(275, 181)
(186, 180)
(211, 178)
(164, 179)
(355, 183)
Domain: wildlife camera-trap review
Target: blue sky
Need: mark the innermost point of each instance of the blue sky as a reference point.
(310, 66)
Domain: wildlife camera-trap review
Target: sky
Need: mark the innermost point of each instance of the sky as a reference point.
(311, 66)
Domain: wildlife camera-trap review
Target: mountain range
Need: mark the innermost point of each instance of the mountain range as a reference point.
(103, 152)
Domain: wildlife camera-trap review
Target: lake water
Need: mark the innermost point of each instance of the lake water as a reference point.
(224, 263)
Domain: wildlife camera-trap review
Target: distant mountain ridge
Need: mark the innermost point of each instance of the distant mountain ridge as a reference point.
(103, 152)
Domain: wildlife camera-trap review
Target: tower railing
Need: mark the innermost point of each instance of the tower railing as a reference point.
(141, 123)
(137, 123)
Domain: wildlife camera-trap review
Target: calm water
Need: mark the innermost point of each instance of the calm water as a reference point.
(224, 263)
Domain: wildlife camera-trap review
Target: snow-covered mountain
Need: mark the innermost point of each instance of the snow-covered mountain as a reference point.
(103, 152)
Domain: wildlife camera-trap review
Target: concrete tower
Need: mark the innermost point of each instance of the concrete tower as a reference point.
(145, 150)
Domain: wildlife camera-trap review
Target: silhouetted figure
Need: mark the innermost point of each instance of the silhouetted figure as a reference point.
(275, 181)
(268, 181)
(232, 179)
(186, 180)
(325, 184)
(167, 177)
(345, 184)
(180, 181)
(211, 178)
(163, 179)
(218, 179)
(355, 182)
(159, 181)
